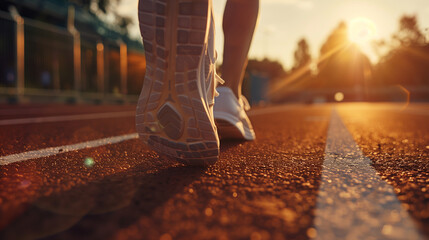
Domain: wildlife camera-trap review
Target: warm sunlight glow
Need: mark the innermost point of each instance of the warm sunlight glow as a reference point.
(361, 30)
(339, 96)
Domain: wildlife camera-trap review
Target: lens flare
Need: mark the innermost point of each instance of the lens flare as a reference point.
(361, 30)
(339, 96)
(89, 162)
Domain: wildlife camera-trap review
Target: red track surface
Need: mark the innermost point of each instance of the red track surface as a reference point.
(261, 189)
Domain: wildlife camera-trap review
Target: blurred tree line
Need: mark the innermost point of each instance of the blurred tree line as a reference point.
(406, 61)
(104, 7)
(105, 10)
(342, 64)
(403, 60)
(97, 5)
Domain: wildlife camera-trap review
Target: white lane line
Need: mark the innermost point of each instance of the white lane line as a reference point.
(95, 143)
(64, 118)
(21, 111)
(63, 149)
(353, 201)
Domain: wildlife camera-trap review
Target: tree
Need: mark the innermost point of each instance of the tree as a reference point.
(270, 68)
(105, 7)
(406, 61)
(100, 5)
(302, 54)
(123, 22)
(409, 33)
(342, 64)
(337, 39)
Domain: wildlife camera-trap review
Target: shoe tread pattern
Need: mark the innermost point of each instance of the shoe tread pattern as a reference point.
(171, 117)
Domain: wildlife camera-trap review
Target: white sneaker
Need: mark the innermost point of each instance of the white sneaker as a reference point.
(175, 108)
(230, 116)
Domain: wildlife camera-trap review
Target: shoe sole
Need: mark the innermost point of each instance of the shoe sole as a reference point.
(171, 117)
(228, 130)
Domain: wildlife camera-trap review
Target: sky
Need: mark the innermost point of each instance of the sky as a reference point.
(282, 23)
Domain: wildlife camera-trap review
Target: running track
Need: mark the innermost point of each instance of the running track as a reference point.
(346, 171)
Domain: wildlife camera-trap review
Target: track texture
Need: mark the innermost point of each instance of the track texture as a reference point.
(264, 189)
(398, 144)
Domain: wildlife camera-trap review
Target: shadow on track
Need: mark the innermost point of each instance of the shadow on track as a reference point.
(116, 201)
(230, 143)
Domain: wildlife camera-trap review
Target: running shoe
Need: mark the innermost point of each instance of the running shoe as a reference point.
(230, 116)
(175, 109)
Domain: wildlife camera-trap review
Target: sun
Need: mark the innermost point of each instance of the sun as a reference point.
(361, 31)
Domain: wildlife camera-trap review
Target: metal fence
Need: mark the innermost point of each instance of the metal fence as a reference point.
(7, 51)
(39, 59)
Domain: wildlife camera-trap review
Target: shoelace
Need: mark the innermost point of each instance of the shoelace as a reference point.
(218, 80)
(245, 103)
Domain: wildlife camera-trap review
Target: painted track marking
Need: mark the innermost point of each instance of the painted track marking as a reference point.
(65, 118)
(91, 116)
(353, 201)
(18, 157)
(63, 149)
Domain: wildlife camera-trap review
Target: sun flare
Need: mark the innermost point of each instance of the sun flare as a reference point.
(361, 31)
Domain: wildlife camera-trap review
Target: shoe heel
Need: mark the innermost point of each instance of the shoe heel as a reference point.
(171, 117)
